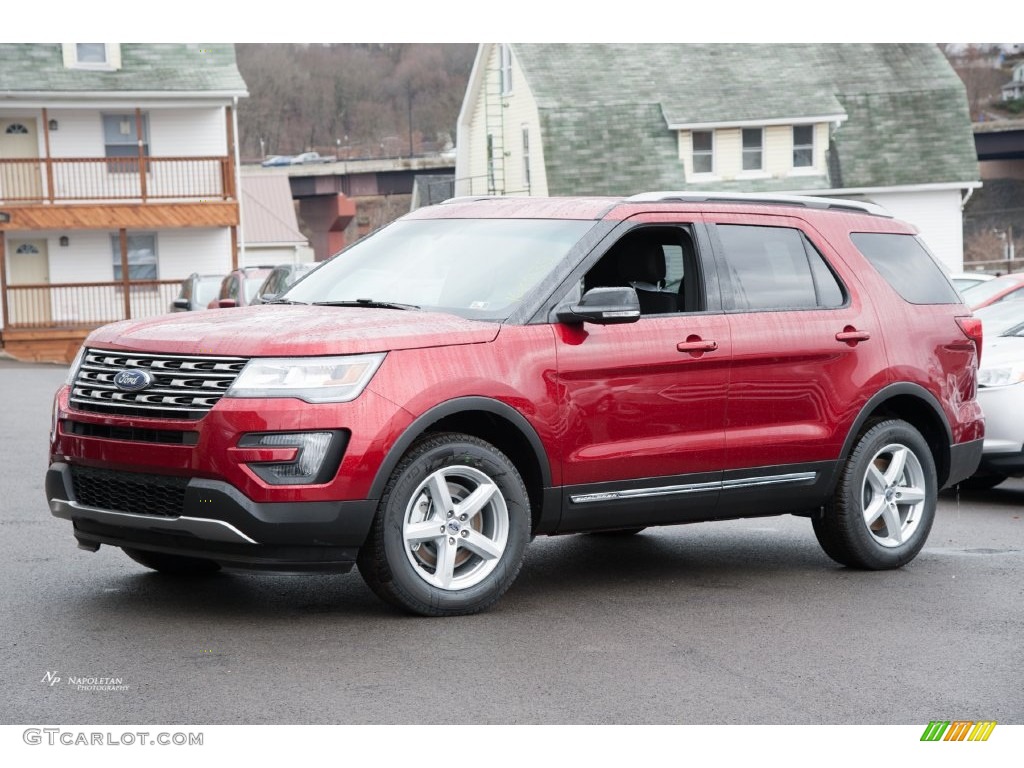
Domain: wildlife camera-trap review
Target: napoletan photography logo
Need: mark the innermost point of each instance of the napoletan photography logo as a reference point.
(54, 678)
(958, 730)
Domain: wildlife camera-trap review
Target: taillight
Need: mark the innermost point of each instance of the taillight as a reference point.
(971, 326)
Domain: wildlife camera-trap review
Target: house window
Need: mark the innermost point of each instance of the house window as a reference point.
(121, 139)
(753, 149)
(526, 157)
(142, 261)
(16, 128)
(703, 151)
(506, 69)
(803, 146)
(100, 56)
(91, 53)
(491, 187)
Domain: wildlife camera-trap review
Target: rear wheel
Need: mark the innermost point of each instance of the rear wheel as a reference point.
(883, 507)
(451, 528)
(174, 565)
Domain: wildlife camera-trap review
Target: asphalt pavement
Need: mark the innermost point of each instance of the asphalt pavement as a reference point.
(744, 622)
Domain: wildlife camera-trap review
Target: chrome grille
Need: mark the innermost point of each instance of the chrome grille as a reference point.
(183, 387)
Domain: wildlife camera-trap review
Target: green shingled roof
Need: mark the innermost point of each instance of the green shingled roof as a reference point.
(168, 67)
(605, 110)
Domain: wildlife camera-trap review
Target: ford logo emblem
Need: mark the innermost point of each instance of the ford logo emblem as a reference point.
(132, 380)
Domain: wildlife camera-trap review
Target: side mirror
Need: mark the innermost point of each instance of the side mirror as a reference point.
(182, 304)
(226, 303)
(603, 306)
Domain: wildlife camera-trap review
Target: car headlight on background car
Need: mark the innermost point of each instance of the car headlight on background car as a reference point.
(1001, 376)
(313, 379)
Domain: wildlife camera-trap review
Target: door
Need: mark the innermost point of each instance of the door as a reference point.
(806, 353)
(645, 402)
(20, 179)
(28, 264)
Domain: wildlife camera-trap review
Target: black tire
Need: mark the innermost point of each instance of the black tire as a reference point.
(468, 567)
(889, 456)
(981, 482)
(618, 532)
(173, 565)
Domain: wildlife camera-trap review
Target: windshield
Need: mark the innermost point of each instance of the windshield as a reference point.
(479, 268)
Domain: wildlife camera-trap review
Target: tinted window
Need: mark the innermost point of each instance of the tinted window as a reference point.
(776, 268)
(907, 266)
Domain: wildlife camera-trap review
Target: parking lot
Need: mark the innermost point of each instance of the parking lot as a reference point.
(737, 622)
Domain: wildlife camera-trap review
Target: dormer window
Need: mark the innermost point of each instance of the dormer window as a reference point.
(98, 56)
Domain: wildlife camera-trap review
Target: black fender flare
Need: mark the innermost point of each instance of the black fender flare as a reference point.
(889, 392)
(450, 408)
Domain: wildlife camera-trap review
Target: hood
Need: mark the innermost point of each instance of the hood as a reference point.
(273, 330)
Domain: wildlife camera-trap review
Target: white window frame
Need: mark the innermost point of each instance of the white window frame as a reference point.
(505, 58)
(809, 168)
(744, 152)
(115, 245)
(111, 57)
(693, 155)
(526, 156)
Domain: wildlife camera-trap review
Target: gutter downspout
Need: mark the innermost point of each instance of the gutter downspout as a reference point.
(966, 198)
(238, 184)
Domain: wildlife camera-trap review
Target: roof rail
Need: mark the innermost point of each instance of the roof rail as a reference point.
(806, 201)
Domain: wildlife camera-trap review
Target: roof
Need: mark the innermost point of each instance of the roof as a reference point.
(150, 67)
(268, 212)
(607, 111)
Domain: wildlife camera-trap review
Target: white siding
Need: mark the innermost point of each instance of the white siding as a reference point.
(188, 132)
(937, 215)
(519, 110)
(272, 255)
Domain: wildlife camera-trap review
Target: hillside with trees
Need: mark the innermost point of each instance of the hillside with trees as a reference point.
(351, 99)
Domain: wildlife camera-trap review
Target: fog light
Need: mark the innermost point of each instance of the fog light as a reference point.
(317, 456)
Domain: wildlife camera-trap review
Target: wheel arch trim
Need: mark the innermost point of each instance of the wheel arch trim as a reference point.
(453, 407)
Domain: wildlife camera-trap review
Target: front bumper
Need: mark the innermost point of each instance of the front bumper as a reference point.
(1004, 429)
(213, 520)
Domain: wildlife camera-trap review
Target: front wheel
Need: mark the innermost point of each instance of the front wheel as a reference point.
(451, 528)
(883, 507)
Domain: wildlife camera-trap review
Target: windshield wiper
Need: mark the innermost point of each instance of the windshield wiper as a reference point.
(284, 301)
(370, 303)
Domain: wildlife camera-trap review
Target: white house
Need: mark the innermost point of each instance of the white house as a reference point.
(1015, 88)
(118, 177)
(883, 122)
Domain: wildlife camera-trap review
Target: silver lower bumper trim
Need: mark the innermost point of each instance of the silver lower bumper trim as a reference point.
(212, 530)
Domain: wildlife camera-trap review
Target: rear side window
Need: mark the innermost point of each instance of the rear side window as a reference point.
(907, 266)
(776, 268)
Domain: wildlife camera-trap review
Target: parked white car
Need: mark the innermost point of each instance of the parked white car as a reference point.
(962, 280)
(1001, 396)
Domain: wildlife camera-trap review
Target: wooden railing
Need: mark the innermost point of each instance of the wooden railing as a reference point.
(69, 305)
(115, 178)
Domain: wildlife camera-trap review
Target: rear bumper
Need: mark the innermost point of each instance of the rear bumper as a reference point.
(216, 521)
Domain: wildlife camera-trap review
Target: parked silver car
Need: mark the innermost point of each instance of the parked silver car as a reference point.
(1001, 395)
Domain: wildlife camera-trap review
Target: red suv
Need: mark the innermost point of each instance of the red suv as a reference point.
(488, 370)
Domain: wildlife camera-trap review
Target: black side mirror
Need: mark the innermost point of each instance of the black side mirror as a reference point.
(182, 304)
(603, 306)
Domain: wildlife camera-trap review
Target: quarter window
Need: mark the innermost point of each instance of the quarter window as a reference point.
(907, 266)
(753, 149)
(703, 151)
(777, 268)
(803, 146)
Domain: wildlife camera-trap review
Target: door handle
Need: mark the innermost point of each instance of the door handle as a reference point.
(695, 344)
(852, 336)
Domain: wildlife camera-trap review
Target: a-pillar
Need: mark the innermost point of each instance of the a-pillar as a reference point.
(327, 216)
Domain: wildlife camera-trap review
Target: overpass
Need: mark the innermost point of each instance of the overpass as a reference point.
(333, 194)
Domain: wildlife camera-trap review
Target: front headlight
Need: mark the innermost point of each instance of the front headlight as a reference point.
(1000, 377)
(313, 379)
